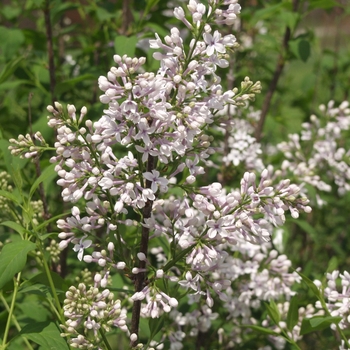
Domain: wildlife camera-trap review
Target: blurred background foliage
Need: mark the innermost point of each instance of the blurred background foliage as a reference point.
(299, 50)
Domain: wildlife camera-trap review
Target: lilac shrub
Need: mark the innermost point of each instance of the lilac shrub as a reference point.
(140, 210)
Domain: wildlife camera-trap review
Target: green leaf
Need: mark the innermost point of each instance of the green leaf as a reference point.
(69, 84)
(61, 285)
(125, 45)
(46, 334)
(10, 161)
(11, 41)
(13, 258)
(47, 222)
(304, 49)
(300, 48)
(323, 4)
(11, 12)
(333, 264)
(15, 226)
(155, 326)
(293, 313)
(267, 12)
(311, 285)
(10, 196)
(290, 19)
(317, 323)
(273, 312)
(262, 330)
(104, 15)
(182, 254)
(149, 5)
(303, 224)
(48, 173)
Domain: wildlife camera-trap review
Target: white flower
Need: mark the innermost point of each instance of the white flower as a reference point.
(155, 179)
(81, 246)
(214, 43)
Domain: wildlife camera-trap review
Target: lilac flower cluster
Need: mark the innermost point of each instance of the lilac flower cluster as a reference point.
(240, 148)
(337, 297)
(256, 273)
(318, 155)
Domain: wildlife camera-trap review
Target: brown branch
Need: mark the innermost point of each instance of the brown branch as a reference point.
(127, 16)
(276, 75)
(141, 277)
(50, 52)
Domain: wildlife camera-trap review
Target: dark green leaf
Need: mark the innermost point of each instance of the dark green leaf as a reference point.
(293, 313)
(69, 84)
(104, 15)
(47, 222)
(41, 279)
(317, 323)
(149, 5)
(155, 326)
(46, 334)
(311, 286)
(304, 50)
(13, 258)
(273, 312)
(48, 173)
(262, 330)
(306, 227)
(178, 257)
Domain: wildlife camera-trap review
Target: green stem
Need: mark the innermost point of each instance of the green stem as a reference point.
(59, 310)
(105, 339)
(15, 322)
(12, 307)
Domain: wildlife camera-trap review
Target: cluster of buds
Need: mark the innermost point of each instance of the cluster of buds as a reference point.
(25, 146)
(89, 310)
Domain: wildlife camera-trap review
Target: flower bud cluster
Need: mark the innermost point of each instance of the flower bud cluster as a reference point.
(25, 146)
(54, 251)
(5, 185)
(89, 310)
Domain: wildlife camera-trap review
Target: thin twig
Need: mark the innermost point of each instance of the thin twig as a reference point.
(276, 75)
